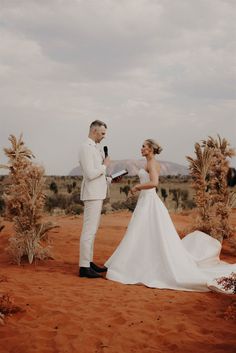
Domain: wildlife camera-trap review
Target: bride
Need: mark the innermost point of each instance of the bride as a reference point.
(151, 252)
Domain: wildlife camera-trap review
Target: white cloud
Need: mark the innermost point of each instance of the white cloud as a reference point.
(149, 68)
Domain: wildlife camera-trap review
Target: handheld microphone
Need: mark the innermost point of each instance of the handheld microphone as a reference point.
(105, 149)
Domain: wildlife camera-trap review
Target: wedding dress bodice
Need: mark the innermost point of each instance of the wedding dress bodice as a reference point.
(145, 178)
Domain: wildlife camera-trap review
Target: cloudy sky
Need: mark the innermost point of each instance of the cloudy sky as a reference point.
(163, 69)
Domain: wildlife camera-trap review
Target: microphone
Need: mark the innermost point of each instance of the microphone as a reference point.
(105, 149)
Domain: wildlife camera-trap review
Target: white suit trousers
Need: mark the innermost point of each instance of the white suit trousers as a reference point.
(92, 215)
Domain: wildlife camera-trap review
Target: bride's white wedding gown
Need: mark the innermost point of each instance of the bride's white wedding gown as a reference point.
(151, 252)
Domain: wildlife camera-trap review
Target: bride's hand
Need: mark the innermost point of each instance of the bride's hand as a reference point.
(135, 189)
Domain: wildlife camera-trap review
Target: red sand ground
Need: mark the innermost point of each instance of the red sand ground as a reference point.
(65, 313)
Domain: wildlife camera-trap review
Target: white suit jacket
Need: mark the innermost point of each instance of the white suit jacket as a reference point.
(94, 183)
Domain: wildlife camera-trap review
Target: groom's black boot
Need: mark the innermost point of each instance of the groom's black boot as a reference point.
(98, 269)
(88, 272)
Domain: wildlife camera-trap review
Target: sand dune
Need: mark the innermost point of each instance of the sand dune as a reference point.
(67, 314)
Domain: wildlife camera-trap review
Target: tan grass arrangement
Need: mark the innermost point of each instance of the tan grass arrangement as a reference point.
(209, 173)
(24, 199)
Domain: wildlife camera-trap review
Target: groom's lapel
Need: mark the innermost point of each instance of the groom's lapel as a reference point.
(98, 147)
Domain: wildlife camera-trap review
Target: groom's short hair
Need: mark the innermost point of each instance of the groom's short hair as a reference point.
(96, 123)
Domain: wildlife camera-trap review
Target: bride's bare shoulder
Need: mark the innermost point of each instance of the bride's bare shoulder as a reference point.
(158, 167)
(154, 165)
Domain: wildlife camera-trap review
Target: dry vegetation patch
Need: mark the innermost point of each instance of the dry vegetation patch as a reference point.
(24, 199)
(209, 171)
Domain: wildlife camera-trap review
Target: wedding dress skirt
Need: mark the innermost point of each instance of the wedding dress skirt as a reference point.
(151, 252)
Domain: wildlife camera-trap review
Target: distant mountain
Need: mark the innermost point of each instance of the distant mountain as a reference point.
(133, 166)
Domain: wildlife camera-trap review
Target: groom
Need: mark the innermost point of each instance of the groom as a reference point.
(93, 192)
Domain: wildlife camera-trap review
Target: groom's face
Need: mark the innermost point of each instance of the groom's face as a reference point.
(100, 133)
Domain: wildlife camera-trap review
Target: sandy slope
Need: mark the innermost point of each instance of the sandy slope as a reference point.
(64, 313)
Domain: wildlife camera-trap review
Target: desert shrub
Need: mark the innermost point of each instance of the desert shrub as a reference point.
(69, 188)
(164, 194)
(231, 177)
(209, 172)
(106, 207)
(125, 189)
(118, 205)
(71, 204)
(57, 201)
(129, 204)
(188, 204)
(184, 194)
(75, 198)
(74, 209)
(2, 205)
(24, 199)
(176, 196)
(53, 187)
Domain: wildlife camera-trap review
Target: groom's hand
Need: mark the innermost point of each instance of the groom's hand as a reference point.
(107, 161)
(117, 180)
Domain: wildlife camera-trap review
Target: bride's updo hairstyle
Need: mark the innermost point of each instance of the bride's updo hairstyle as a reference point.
(154, 145)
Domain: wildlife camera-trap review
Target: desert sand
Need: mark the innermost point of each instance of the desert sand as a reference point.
(64, 313)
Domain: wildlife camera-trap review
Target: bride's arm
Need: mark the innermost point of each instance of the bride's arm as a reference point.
(154, 179)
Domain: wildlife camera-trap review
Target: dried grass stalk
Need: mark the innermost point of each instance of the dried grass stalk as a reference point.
(209, 173)
(24, 199)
